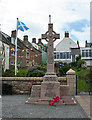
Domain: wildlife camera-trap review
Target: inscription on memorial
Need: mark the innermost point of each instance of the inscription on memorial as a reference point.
(50, 78)
(49, 90)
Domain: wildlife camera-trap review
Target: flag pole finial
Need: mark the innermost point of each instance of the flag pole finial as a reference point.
(49, 18)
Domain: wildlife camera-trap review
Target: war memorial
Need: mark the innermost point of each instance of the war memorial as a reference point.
(50, 87)
(49, 93)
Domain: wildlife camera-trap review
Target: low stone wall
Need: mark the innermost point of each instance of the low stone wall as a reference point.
(22, 85)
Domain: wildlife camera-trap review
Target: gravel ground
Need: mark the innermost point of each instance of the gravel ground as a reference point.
(13, 106)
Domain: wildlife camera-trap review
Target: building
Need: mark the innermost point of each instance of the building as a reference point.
(27, 54)
(42, 47)
(4, 51)
(86, 53)
(63, 49)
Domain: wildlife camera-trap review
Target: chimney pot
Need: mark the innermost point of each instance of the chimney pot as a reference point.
(26, 38)
(39, 40)
(13, 34)
(78, 43)
(86, 43)
(66, 34)
(34, 40)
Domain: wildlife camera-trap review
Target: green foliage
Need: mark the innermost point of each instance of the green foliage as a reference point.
(61, 69)
(78, 63)
(36, 72)
(78, 58)
(9, 73)
(83, 79)
(22, 72)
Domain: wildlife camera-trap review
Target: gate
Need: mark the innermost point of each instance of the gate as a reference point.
(83, 85)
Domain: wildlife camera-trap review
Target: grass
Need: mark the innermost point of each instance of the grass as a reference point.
(82, 80)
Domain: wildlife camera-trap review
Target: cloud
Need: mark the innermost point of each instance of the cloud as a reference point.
(34, 13)
(82, 36)
(78, 25)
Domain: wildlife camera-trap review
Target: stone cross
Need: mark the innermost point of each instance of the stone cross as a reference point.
(50, 36)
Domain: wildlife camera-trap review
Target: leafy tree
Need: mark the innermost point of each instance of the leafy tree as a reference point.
(9, 73)
(22, 72)
(36, 72)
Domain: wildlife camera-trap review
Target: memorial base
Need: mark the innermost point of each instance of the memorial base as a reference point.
(41, 94)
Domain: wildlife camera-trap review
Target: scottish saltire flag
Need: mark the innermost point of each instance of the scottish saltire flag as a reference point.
(22, 26)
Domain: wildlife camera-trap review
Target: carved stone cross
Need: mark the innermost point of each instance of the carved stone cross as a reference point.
(50, 36)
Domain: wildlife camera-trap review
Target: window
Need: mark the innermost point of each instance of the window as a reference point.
(64, 55)
(68, 55)
(54, 55)
(82, 53)
(61, 55)
(90, 53)
(86, 53)
(27, 62)
(57, 55)
(27, 55)
(12, 52)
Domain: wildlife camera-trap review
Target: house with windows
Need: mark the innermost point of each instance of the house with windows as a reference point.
(27, 54)
(62, 50)
(86, 53)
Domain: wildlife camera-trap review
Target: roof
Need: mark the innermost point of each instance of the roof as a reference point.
(7, 39)
(66, 44)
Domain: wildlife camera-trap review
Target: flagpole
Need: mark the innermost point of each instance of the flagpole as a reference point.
(16, 49)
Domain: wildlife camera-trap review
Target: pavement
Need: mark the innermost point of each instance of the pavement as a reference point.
(13, 106)
(84, 101)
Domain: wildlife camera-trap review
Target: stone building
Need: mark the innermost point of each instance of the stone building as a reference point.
(63, 49)
(27, 55)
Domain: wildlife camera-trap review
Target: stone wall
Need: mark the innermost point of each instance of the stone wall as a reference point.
(22, 85)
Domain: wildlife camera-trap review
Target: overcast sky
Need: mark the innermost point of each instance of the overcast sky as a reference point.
(70, 15)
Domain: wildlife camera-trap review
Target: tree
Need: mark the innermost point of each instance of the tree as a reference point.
(38, 71)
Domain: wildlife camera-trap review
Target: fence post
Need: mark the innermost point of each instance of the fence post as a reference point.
(71, 81)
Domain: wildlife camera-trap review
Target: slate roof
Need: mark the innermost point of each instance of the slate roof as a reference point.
(65, 44)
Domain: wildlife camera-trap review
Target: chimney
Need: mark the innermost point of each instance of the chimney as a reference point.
(25, 39)
(86, 43)
(34, 40)
(39, 41)
(78, 43)
(13, 34)
(66, 34)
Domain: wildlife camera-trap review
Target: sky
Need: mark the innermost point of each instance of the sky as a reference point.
(66, 15)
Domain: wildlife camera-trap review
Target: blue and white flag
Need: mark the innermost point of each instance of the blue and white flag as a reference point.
(22, 26)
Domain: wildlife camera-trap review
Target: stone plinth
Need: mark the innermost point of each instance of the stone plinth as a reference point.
(42, 94)
(50, 89)
(71, 81)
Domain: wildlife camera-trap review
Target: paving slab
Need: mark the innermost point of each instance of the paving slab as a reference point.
(84, 101)
(13, 106)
